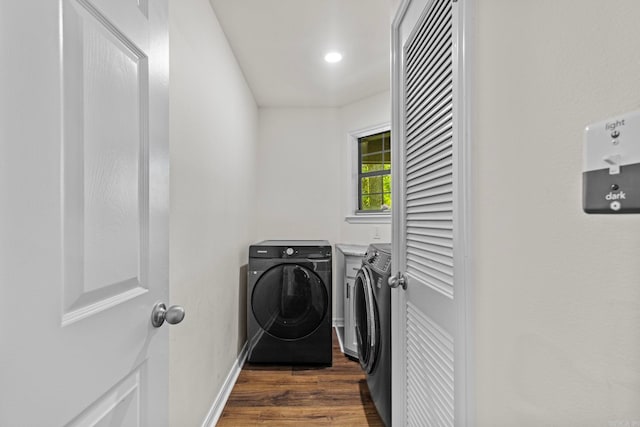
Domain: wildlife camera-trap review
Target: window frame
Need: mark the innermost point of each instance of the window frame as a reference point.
(379, 173)
(353, 214)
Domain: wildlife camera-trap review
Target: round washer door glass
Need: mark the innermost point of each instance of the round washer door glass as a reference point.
(289, 301)
(367, 322)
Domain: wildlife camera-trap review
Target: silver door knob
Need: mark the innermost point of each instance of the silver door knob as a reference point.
(160, 313)
(398, 280)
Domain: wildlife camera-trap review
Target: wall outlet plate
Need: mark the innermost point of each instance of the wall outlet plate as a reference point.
(611, 165)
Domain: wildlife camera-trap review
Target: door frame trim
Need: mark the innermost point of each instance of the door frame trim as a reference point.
(465, 309)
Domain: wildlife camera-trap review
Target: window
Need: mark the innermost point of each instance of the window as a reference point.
(374, 173)
(368, 174)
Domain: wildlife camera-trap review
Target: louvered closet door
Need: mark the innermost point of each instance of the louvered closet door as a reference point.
(427, 342)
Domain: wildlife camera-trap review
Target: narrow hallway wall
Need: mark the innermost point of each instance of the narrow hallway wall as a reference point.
(213, 142)
(558, 291)
(298, 181)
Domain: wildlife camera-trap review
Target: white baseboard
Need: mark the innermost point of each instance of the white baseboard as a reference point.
(221, 399)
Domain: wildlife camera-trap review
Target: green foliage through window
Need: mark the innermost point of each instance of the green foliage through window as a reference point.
(374, 172)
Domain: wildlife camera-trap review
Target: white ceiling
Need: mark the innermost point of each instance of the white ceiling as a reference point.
(280, 46)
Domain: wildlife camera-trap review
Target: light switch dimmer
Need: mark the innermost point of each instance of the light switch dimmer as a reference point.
(611, 165)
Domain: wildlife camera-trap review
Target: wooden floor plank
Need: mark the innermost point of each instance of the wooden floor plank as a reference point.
(301, 396)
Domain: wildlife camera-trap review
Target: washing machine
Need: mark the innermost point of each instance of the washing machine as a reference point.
(289, 302)
(372, 301)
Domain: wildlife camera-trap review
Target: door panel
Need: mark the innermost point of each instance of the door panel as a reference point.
(350, 343)
(105, 145)
(428, 339)
(430, 371)
(120, 406)
(84, 224)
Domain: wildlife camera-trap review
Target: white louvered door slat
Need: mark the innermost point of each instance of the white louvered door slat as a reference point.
(433, 104)
(426, 222)
(437, 140)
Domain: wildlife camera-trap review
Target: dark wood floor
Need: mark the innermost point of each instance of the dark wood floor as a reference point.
(301, 396)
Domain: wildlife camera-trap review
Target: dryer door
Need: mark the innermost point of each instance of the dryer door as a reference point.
(289, 301)
(367, 320)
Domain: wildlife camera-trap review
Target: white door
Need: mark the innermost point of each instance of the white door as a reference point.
(83, 212)
(429, 317)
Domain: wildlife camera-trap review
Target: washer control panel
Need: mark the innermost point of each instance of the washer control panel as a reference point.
(291, 249)
(611, 165)
(380, 261)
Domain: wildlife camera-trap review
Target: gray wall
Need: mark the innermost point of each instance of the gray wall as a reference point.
(303, 171)
(558, 291)
(213, 144)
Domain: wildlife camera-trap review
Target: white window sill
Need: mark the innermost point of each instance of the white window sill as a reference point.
(381, 218)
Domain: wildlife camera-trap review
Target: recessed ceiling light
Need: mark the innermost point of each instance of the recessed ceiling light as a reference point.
(333, 57)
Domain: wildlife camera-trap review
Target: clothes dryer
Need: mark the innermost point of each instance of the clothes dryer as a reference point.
(289, 302)
(372, 300)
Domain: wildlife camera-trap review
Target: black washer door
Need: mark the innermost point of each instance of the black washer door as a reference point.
(367, 320)
(289, 301)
